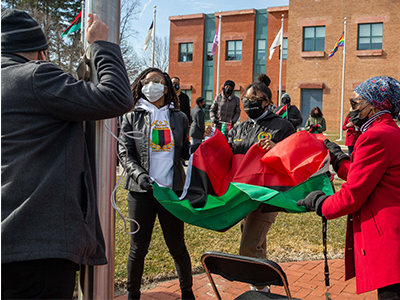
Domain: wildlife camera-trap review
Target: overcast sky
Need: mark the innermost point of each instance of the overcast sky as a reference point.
(167, 8)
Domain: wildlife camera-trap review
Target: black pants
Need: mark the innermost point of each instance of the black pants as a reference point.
(143, 208)
(38, 279)
(390, 292)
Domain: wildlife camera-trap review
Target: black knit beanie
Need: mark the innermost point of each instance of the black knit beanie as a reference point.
(230, 83)
(21, 33)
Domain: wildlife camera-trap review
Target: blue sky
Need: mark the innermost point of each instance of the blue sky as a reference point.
(167, 8)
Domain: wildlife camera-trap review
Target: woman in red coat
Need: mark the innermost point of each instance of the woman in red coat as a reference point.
(352, 134)
(371, 194)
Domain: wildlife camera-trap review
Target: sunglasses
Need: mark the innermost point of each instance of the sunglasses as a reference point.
(154, 80)
(253, 98)
(354, 102)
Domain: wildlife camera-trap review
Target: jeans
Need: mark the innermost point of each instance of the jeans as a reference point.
(38, 279)
(143, 208)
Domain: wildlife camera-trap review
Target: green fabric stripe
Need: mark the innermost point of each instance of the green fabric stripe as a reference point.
(155, 137)
(284, 114)
(72, 29)
(239, 200)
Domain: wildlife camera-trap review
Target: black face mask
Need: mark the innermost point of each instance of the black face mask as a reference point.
(176, 86)
(253, 109)
(286, 101)
(354, 117)
(228, 92)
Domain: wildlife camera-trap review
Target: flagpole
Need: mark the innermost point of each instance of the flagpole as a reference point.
(83, 26)
(280, 65)
(219, 53)
(153, 36)
(343, 83)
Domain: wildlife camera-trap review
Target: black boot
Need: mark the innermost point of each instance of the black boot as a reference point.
(135, 296)
(188, 295)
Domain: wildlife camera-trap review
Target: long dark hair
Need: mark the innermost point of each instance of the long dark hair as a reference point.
(313, 114)
(169, 97)
(261, 85)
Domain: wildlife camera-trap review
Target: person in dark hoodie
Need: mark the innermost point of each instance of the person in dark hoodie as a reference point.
(265, 128)
(156, 157)
(49, 219)
(293, 114)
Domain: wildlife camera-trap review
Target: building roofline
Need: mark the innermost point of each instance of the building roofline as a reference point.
(277, 9)
(236, 12)
(187, 17)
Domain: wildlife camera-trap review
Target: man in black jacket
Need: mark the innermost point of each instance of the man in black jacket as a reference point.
(49, 219)
(184, 102)
(293, 114)
(198, 125)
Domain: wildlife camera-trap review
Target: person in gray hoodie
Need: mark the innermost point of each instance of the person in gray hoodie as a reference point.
(49, 219)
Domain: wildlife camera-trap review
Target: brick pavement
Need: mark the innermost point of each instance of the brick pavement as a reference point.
(306, 281)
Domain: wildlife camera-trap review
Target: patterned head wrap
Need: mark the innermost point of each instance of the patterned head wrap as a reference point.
(383, 92)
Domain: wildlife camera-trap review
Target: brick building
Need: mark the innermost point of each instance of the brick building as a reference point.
(311, 29)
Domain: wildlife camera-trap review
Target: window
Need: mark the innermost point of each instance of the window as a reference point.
(186, 52)
(209, 53)
(370, 36)
(284, 48)
(209, 100)
(234, 50)
(314, 38)
(261, 46)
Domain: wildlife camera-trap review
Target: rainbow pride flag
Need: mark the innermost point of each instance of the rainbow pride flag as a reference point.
(339, 43)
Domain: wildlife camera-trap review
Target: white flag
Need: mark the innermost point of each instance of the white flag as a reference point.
(148, 37)
(277, 42)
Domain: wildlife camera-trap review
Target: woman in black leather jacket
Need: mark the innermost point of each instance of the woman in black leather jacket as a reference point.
(157, 156)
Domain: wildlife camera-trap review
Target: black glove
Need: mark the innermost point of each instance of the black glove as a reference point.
(337, 155)
(313, 202)
(144, 181)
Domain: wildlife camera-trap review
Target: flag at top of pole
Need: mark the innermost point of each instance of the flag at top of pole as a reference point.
(339, 43)
(277, 42)
(74, 26)
(217, 39)
(148, 37)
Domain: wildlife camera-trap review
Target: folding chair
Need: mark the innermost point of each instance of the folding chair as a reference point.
(256, 271)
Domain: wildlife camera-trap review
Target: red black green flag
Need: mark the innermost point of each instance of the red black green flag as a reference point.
(74, 26)
(222, 188)
(161, 137)
(282, 112)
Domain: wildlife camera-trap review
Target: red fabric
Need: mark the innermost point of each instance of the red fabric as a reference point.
(371, 198)
(282, 110)
(351, 134)
(290, 162)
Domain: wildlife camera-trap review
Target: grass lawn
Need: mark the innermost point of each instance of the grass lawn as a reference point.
(292, 237)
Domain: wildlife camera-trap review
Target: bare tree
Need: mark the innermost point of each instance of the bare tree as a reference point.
(161, 54)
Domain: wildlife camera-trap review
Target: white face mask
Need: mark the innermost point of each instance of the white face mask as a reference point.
(153, 91)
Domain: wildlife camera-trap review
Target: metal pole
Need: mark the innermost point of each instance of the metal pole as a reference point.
(153, 36)
(100, 282)
(343, 82)
(280, 65)
(219, 54)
